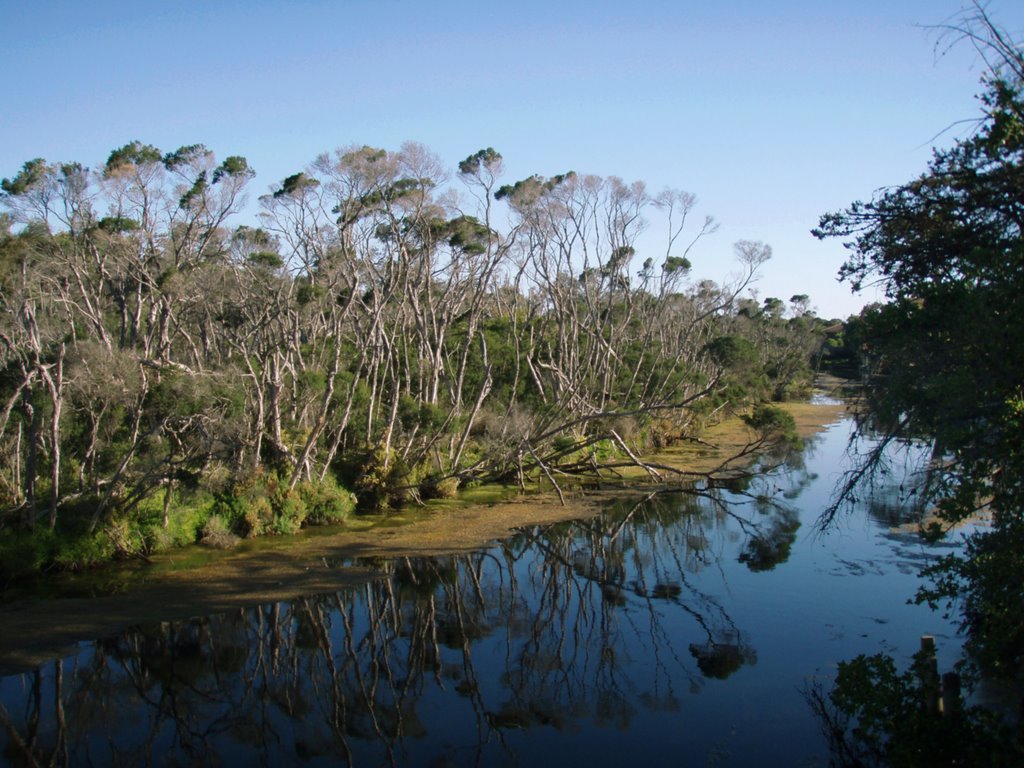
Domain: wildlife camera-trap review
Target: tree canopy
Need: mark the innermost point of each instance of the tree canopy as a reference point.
(944, 354)
(387, 327)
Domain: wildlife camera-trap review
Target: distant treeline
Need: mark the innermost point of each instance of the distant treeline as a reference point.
(389, 329)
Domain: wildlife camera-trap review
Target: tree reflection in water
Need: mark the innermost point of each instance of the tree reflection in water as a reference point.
(564, 627)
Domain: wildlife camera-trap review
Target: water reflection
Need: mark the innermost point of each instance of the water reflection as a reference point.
(560, 641)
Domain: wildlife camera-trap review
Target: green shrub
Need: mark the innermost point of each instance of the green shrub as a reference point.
(773, 424)
(24, 553)
(383, 481)
(326, 502)
(76, 553)
(563, 443)
(445, 488)
(257, 515)
(262, 503)
(289, 512)
(186, 517)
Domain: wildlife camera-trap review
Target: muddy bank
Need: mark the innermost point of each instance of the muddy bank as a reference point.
(173, 587)
(197, 582)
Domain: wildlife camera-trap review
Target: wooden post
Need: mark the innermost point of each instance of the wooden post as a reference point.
(930, 683)
(951, 694)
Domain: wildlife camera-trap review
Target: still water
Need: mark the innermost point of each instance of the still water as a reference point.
(675, 629)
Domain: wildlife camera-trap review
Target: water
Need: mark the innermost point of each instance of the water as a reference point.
(672, 630)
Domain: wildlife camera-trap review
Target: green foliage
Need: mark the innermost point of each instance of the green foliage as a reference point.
(383, 481)
(563, 443)
(295, 185)
(468, 235)
(289, 512)
(187, 514)
(186, 155)
(88, 550)
(32, 174)
(985, 583)
(132, 154)
(306, 293)
(773, 424)
(415, 414)
(876, 715)
(947, 350)
(674, 264)
(485, 158)
(117, 224)
(312, 381)
(526, 192)
(774, 307)
(26, 553)
(217, 533)
(743, 375)
(433, 488)
(194, 193)
(326, 502)
(234, 166)
(262, 503)
(175, 393)
(732, 352)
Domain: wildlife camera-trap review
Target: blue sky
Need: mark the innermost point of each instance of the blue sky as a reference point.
(771, 112)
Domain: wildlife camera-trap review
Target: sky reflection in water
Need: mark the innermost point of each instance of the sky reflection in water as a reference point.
(675, 630)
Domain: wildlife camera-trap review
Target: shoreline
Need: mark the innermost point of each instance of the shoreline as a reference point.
(38, 629)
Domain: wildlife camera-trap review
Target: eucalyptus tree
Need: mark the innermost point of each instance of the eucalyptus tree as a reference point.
(46, 295)
(605, 344)
(387, 321)
(111, 287)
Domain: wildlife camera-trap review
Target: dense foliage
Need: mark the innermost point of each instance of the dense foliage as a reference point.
(944, 354)
(876, 715)
(166, 374)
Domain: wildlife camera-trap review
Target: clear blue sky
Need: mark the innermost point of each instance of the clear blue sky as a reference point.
(771, 112)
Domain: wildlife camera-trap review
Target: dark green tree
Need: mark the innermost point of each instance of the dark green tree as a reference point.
(946, 351)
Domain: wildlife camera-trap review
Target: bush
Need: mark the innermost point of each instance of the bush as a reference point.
(445, 488)
(773, 424)
(217, 534)
(189, 512)
(24, 553)
(383, 481)
(289, 512)
(326, 502)
(262, 504)
(564, 443)
(256, 517)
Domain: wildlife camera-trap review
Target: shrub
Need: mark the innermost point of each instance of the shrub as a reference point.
(188, 513)
(78, 552)
(217, 533)
(24, 552)
(256, 517)
(289, 512)
(445, 488)
(262, 503)
(384, 481)
(773, 424)
(326, 502)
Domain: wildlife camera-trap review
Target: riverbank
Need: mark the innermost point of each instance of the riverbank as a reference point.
(199, 581)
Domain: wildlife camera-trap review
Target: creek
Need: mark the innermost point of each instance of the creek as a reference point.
(671, 629)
